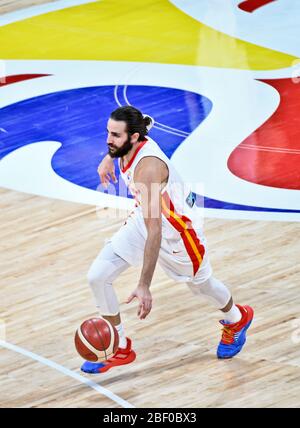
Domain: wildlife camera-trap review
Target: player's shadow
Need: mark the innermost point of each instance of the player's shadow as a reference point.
(152, 370)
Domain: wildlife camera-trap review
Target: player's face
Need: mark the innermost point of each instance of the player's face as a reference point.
(118, 141)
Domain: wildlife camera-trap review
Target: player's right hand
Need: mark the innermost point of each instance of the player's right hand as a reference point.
(143, 294)
(106, 171)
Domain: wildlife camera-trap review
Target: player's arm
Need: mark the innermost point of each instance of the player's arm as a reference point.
(106, 170)
(149, 175)
(149, 178)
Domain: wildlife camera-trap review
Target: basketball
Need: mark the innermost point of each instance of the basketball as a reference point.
(96, 340)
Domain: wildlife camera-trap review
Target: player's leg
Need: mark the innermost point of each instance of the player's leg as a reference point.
(126, 248)
(104, 270)
(219, 295)
(101, 275)
(237, 318)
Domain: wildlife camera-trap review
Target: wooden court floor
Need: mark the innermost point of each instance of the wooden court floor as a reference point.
(46, 248)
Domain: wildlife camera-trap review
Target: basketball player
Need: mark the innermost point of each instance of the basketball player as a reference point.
(164, 227)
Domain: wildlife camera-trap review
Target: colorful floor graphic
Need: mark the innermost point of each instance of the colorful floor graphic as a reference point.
(222, 82)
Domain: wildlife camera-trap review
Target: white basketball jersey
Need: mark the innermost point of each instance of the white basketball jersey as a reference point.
(181, 219)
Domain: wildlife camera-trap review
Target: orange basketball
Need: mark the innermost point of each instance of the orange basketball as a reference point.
(96, 340)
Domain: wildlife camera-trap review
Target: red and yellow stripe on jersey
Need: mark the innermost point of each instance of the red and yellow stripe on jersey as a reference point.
(184, 226)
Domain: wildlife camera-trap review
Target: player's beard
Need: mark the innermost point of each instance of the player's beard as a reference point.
(119, 152)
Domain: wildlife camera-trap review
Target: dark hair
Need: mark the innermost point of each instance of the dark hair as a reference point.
(134, 119)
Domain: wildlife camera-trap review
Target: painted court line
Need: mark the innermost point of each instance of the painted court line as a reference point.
(270, 149)
(175, 131)
(67, 372)
(157, 125)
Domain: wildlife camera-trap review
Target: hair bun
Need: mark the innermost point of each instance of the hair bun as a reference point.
(149, 121)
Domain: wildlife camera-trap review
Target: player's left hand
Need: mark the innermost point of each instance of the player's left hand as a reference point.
(143, 294)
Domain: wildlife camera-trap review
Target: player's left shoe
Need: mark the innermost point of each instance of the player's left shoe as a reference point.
(121, 357)
(234, 335)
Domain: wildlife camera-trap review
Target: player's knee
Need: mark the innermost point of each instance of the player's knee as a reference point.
(195, 288)
(98, 274)
(200, 287)
(92, 277)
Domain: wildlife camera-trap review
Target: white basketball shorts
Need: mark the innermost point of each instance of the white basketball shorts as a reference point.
(129, 244)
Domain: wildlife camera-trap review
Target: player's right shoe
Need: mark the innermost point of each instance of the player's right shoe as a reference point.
(120, 358)
(234, 334)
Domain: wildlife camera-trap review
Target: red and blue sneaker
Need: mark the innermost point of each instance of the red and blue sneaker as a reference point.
(234, 335)
(121, 357)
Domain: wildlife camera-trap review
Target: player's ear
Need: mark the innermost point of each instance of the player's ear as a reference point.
(135, 137)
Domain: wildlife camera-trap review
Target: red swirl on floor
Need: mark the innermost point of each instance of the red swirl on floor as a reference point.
(271, 155)
(8, 80)
(253, 5)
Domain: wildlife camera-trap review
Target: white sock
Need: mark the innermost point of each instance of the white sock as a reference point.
(122, 337)
(233, 316)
